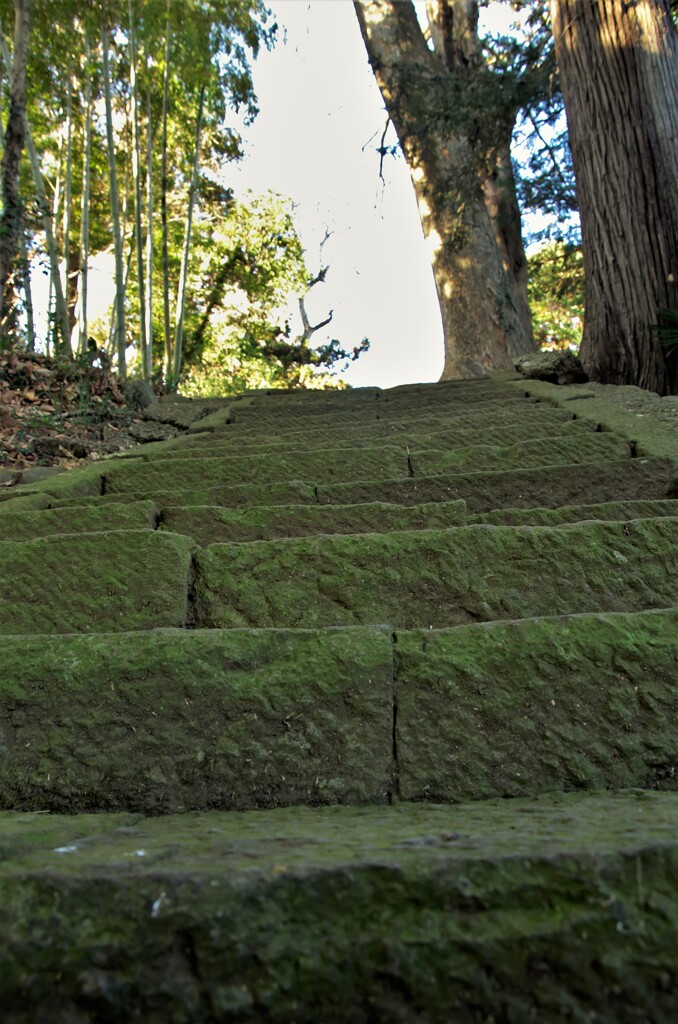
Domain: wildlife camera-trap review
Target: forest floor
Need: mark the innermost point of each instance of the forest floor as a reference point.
(60, 413)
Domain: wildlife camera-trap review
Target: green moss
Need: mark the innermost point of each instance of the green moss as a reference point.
(655, 435)
(439, 578)
(547, 910)
(517, 708)
(213, 525)
(28, 525)
(546, 451)
(549, 487)
(94, 582)
(610, 510)
(339, 464)
(22, 503)
(167, 720)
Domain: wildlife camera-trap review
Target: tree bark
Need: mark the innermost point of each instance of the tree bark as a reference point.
(166, 321)
(120, 327)
(619, 73)
(136, 175)
(28, 292)
(70, 285)
(15, 135)
(481, 317)
(149, 237)
(183, 276)
(84, 217)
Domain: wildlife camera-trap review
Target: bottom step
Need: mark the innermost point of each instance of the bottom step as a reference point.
(563, 908)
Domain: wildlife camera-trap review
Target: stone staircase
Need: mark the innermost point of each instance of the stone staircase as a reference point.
(265, 688)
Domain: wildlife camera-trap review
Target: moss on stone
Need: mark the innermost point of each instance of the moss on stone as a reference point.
(333, 464)
(21, 503)
(438, 578)
(213, 525)
(517, 708)
(606, 512)
(94, 519)
(94, 582)
(631, 412)
(217, 446)
(548, 487)
(172, 720)
(549, 910)
(546, 451)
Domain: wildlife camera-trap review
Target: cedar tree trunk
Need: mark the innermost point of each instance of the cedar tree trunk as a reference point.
(619, 73)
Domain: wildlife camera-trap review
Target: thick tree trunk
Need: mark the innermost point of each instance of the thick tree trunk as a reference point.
(501, 201)
(619, 73)
(453, 28)
(15, 135)
(482, 323)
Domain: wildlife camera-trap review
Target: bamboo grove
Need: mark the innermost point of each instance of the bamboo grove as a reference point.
(131, 116)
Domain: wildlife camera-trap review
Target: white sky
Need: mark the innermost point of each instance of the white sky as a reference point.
(320, 106)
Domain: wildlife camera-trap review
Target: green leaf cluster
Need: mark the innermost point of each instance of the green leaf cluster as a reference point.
(556, 293)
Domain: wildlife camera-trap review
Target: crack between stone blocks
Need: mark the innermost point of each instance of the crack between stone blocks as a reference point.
(190, 622)
(394, 796)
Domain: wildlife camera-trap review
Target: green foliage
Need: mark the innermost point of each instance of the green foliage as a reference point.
(544, 172)
(556, 293)
(247, 263)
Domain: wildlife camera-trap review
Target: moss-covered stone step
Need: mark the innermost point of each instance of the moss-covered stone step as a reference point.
(213, 525)
(208, 524)
(217, 445)
(182, 412)
(547, 451)
(606, 511)
(519, 708)
(550, 487)
(475, 417)
(343, 464)
(333, 464)
(138, 515)
(541, 416)
(175, 720)
(439, 578)
(94, 582)
(261, 421)
(422, 396)
(293, 492)
(563, 908)
(86, 481)
(11, 503)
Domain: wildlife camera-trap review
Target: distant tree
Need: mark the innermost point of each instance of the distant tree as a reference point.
(247, 263)
(556, 292)
(619, 74)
